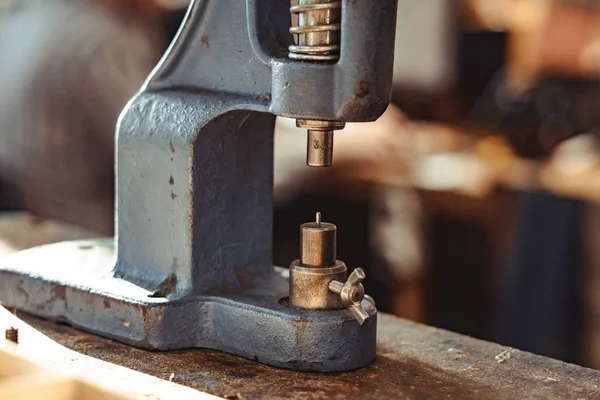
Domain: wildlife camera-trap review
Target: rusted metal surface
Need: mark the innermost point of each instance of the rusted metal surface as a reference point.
(414, 362)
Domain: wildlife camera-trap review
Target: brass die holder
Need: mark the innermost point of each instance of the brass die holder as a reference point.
(318, 281)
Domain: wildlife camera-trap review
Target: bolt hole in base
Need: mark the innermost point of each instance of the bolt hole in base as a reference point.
(284, 301)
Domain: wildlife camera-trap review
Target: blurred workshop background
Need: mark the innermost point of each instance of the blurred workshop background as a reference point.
(472, 204)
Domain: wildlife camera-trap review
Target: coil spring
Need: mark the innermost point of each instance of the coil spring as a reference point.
(324, 51)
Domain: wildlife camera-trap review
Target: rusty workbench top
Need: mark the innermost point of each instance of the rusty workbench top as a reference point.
(414, 362)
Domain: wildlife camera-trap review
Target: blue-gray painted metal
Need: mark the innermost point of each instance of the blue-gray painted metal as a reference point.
(192, 266)
(74, 282)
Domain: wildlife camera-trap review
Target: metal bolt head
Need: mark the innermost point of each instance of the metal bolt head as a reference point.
(352, 294)
(357, 293)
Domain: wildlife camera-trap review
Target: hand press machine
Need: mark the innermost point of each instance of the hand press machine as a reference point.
(191, 262)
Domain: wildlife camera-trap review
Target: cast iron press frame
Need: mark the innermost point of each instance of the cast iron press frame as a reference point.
(191, 263)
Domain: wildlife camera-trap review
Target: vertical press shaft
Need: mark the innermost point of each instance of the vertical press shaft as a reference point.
(318, 40)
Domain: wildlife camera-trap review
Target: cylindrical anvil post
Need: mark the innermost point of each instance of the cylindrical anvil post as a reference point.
(317, 267)
(318, 243)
